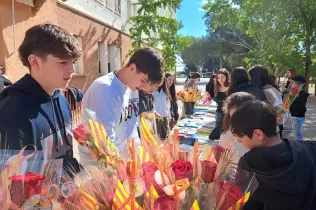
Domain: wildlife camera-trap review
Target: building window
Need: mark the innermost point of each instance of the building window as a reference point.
(129, 9)
(114, 58)
(118, 6)
(103, 58)
(79, 62)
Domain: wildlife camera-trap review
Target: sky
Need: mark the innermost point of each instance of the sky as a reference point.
(191, 15)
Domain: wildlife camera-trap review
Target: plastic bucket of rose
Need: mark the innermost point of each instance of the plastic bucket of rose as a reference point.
(221, 184)
(27, 179)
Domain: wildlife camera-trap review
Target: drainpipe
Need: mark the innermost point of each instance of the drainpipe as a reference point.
(13, 25)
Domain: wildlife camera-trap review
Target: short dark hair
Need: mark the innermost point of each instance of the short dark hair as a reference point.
(48, 39)
(253, 115)
(234, 101)
(239, 75)
(149, 62)
(299, 79)
(195, 75)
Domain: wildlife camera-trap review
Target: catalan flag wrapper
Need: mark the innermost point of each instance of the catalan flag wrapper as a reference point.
(240, 203)
(293, 94)
(195, 206)
(148, 128)
(92, 135)
(123, 201)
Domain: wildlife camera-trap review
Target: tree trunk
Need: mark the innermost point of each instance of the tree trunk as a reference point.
(308, 62)
(315, 89)
(221, 62)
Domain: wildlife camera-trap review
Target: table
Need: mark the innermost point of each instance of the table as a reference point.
(198, 126)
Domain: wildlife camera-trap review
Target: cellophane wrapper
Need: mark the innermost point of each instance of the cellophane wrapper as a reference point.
(26, 173)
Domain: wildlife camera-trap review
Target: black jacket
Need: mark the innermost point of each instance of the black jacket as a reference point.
(210, 89)
(298, 107)
(146, 102)
(30, 116)
(4, 82)
(249, 88)
(74, 97)
(174, 110)
(286, 174)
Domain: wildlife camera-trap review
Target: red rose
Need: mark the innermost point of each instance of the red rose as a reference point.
(24, 186)
(295, 90)
(82, 133)
(233, 195)
(149, 169)
(182, 169)
(208, 171)
(218, 152)
(165, 203)
(109, 197)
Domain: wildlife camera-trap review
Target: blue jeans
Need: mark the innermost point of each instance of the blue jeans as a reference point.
(298, 124)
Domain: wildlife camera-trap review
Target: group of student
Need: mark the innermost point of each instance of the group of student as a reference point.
(264, 87)
(33, 111)
(285, 170)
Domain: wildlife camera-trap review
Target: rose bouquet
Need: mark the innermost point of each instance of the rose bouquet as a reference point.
(91, 189)
(293, 94)
(92, 135)
(192, 94)
(26, 179)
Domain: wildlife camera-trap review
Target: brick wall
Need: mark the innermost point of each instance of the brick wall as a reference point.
(25, 17)
(91, 32)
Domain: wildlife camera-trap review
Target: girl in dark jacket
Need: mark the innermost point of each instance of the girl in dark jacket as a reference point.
(240, 82)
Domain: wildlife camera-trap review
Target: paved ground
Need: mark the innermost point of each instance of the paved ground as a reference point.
(309, 127)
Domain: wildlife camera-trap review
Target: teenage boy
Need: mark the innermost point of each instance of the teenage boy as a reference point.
(285, 170)
(33, 110)
(115, 100)
(298, 107)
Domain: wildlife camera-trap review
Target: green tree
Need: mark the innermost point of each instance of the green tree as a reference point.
(282, 32)
(151, 29)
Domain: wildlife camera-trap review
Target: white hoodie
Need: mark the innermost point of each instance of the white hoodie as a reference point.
(116, 107)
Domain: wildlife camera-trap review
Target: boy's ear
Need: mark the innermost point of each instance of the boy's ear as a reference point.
(34, 62)
(258, 134)
(132, 67)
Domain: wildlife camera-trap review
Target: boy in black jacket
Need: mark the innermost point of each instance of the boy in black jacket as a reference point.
(285, 170)
(298, 107)
(33, 110)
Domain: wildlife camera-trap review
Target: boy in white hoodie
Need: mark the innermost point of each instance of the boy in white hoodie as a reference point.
(114, 97)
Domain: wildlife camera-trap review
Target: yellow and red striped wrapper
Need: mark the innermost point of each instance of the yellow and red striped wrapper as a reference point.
(195, 206)
(103, 142)
(122, 201)
(239, 204)
(144, 156)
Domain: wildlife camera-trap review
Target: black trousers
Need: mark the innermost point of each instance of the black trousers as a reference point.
(163, 128)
